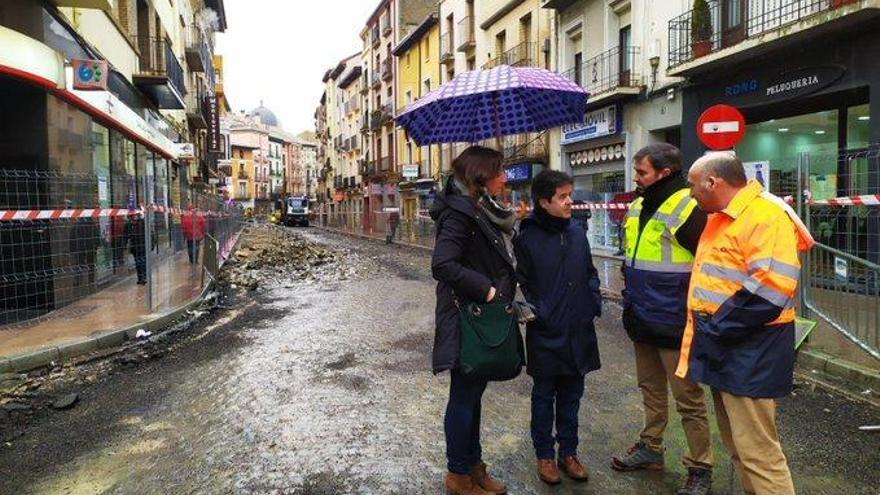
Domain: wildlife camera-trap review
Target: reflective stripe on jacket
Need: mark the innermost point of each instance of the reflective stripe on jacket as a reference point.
(740, 328)
(657, 271)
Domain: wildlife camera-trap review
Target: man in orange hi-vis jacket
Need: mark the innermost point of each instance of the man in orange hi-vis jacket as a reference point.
(739, 338)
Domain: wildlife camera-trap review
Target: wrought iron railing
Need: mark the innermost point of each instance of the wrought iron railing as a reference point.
(446, 51)
(521, 55)
(756, 17)
(466, 38)
(157, 59)
(386, 69)
(615, 68)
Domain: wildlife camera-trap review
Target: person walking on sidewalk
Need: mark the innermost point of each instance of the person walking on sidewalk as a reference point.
(739, 338)
(193, 225)
(557, 277)
(135, 235)
(662, 229)
(471, 263)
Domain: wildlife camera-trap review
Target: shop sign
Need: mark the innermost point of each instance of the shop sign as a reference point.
(410, 171)
(802, 82)
(598, 123)
(751, 91)
(520, 172)
(598, 155)
(213, 114)
(186, 151)
(90, 75)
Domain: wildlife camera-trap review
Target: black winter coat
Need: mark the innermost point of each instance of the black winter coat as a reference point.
(469, 258)
(557, 276)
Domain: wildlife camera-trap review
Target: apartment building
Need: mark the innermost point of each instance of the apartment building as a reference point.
(348, 177)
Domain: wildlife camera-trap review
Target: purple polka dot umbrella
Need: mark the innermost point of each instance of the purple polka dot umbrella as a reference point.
(485, 104)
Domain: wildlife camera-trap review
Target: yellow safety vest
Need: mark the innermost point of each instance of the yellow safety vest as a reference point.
(655, 248)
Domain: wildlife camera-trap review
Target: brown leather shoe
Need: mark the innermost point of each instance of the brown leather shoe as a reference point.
(482, 479)
(573, 468)
(548, 472)
(462, 484)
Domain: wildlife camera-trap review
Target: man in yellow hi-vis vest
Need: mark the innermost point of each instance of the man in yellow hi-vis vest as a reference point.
(662, 229)
(739, 338)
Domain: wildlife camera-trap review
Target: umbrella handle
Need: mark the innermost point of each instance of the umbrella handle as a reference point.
(497, 120)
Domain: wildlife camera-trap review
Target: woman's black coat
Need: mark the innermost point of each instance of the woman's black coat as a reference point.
(469, 258)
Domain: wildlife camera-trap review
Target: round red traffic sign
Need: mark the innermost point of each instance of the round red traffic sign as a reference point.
(721, 127)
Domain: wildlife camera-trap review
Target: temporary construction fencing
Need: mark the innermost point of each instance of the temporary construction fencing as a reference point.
(67, 236)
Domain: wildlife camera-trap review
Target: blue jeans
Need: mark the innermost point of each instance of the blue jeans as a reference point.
(563, 392)
(462, 423)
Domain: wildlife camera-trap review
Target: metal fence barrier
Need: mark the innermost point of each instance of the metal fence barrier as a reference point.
(66, 237)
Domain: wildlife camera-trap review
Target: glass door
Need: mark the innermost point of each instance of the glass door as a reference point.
(733, 24)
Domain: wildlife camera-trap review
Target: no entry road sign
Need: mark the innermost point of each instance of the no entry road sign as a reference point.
(721, 127)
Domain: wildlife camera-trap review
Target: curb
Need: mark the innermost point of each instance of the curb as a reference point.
(840, 368)
(25, 362)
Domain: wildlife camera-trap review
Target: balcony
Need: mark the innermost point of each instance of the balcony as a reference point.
(760, 26)
(446, 51)
(198, 56)
(385, 164)
(385, 22)
(160, 75)
(387, 112)
(466, 38)
(374, 36)
(375, 80)
(610, 75)
(196, 110)
(386, 69)
(243, 175)
(521, 55)
(368, 168)
(526, 148)
(353, 143)
(105, 5)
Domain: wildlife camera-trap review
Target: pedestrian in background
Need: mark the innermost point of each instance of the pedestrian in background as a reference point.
(557, 277)
(662, 228)
(117, 240)
(393, 223)
(193, 225)
(739, 338)
(472, 262)
(135, 237)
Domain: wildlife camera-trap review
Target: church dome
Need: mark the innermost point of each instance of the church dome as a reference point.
(266, 116)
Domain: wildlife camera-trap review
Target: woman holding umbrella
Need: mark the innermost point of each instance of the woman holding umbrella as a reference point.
(472, 261)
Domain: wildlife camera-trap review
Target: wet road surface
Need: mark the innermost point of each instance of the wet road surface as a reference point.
(324, 387)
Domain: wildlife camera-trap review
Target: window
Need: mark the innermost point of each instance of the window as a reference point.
(427, 48)
(408, 97)
(427, 85)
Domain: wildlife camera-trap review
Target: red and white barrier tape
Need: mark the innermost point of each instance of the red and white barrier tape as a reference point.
(75, 213)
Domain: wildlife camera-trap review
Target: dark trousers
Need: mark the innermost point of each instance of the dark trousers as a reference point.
(192, 250)
(140, 264)
(462, 423)
(562, 393)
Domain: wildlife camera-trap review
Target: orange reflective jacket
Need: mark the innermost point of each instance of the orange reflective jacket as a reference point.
(740, 327)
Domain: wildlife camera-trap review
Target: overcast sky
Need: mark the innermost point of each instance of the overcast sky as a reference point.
(278, 50)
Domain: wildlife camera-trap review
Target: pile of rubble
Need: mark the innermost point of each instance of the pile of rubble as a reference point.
(269, 254)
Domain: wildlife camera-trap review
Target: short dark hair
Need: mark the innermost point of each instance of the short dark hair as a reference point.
(726, 166)
(545, 184)
(660, 156)
(476, 165)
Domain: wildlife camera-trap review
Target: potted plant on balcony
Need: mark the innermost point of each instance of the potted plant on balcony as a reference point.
(701, 29)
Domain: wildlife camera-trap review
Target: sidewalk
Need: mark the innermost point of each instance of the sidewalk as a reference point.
(121, 305)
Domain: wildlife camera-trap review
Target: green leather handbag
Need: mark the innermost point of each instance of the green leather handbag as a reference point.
(491, 344)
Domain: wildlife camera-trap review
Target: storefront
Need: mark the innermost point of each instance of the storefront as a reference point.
(816, 101)
(62, 148)
(519, 181)
(814, 110)
(595, 154)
